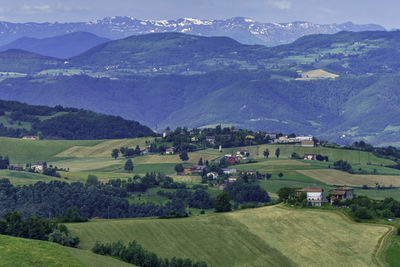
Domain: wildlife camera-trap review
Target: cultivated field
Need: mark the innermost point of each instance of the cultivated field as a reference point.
(316, 74)
(24, 151)
(334, 154)
(103, 149)
(22, 178)
(272, 166)
(273, 236)
(335, 177)
(28, 252)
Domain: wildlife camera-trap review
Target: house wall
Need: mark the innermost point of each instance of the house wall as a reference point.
(349, 194)
(314, 196)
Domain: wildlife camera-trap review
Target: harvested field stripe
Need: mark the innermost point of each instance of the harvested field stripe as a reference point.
(335, 177)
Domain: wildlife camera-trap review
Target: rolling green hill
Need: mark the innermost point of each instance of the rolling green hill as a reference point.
(164, 53)
(27, 252)
(17, 119)
(62, 46)
(273, 236)
(16, 60)
(173, 79)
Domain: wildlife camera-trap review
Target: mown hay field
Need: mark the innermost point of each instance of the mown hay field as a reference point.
(272, 166)
(316, 74)
(335, 177)
(268, 236)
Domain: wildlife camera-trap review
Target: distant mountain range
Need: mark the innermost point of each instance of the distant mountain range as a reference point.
(244, 30)
(62, 46)
(343, 87)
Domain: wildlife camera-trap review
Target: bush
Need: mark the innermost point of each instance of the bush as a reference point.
(64, 239)
(222, 202)
(342, 165)
(179, 168)
(363, 213)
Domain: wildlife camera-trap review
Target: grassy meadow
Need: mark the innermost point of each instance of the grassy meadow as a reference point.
(335, 177)
(23, 252)
(22, 178)
(24, 151)
(274, 236)
(83, 158)
(334, 154)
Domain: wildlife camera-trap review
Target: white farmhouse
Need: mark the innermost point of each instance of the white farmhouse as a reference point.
(213, 175)
(38, 167)
(315, 195)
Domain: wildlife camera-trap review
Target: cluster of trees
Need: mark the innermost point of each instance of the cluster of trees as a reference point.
(322, 158)
(181, 138)
(363, 207)
(285, 193)
(37, 228)
(91, 200)
(71, 215)
(126, 152)
(134, 253)
(51, 171)
(141, 184)
(242, 192)
(4, 162)
(342, 165)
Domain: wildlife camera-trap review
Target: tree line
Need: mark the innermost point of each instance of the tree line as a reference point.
(134, 253)
(36, 227)
(99, 200)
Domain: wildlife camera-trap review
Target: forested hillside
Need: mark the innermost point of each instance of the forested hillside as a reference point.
(63, 46)
(343, 87)
(18, 119)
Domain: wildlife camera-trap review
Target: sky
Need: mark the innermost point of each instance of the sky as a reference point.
(383, 12)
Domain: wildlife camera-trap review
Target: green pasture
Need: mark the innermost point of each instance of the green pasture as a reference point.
(23, 252)
(25, 151)
(273, 236)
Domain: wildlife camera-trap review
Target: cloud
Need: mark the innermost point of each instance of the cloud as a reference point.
(280, 4)
(27, 9)
(49, 9)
